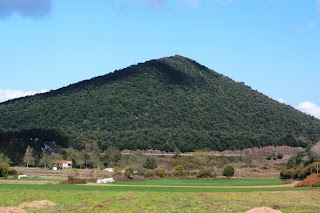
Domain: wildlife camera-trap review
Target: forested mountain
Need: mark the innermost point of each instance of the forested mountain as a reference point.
(162, 104)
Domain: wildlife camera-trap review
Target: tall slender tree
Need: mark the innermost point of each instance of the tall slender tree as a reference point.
(28, 156)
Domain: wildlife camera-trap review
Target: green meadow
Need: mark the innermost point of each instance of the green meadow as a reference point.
(79, 198)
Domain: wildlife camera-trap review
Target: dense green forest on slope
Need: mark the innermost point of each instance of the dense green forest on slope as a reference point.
(162, 104)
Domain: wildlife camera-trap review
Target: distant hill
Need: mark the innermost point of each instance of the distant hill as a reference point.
(162, 104)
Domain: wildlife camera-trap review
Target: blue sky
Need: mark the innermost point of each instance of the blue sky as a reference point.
(271, 45)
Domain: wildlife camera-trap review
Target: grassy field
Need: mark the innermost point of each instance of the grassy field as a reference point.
(106, 199)
(196, 182)
(142, 188)
(45, 178)
(184, 195)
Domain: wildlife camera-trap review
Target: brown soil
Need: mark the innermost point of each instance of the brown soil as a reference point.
(311, 180)
(11, 209)
(203, 195)
(263, 210)
(37, 204)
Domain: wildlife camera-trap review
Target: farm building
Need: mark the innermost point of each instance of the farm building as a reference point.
(63, 164)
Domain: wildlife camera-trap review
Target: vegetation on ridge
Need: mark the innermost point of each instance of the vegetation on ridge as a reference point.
(164, 104)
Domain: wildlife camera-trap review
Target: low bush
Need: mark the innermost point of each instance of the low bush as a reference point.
(160, 172)
(311, 181)
(205, 173)
(179, 171)
(228, 171)
(117, 171)
(148, 173)
(12, 172)
(4, 170)
(128, 172)
(288, 173)
(72, 180)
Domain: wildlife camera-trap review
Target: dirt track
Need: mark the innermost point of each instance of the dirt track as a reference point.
(218, 187)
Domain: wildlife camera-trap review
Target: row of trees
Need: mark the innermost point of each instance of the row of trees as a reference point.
(91, 156)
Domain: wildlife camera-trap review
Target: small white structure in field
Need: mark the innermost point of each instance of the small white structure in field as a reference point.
(106, 180)
(22, 176)
(63, 164)
(54, 168)
(108, 169)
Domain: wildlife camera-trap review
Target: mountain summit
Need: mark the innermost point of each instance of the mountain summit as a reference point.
(162, 104)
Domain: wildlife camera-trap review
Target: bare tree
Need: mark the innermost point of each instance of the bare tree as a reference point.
(315, 154)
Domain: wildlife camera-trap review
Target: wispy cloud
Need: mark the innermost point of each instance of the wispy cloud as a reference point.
(11, 94)
(29, 8)
(281, 100)
(309, 108)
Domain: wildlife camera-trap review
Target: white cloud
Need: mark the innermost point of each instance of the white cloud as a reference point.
(11, 94)
(281, 100)
(309, 108)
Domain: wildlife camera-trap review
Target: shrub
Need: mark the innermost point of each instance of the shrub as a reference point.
(311, 181)
(150, 163)
(4, 170)
(117, 171)
(288, 173)
(280, 156)
(72, 180)
(179, 171)
(160, 172)
(205, 173)
(148, 173)
(308, 170)
(139, 170)
(228, 171)
(12, 172)
(128, 172)
(292, 162)
(269, 157)
(215, 175)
